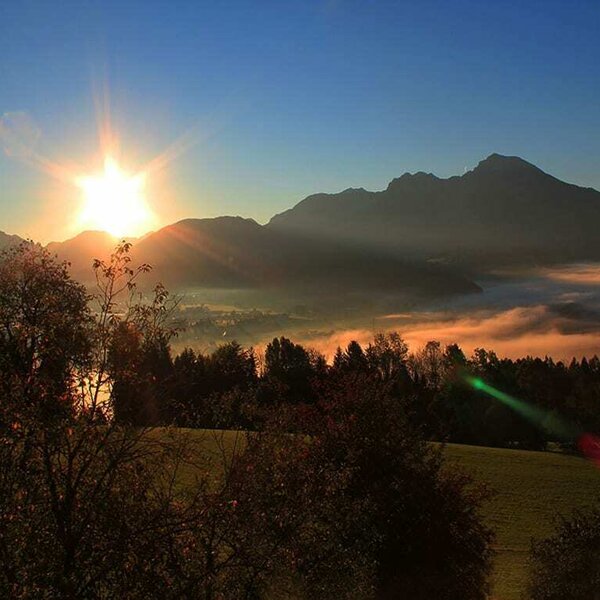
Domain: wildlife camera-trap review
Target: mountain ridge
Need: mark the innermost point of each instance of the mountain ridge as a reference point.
(7, 240)
(503, 211)
(236, 253)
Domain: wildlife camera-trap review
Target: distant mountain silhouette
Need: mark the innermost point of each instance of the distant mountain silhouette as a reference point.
(232, 252)
(505, 210)
(7, 240)
(401, 239)
(81, 251)
(235, 252)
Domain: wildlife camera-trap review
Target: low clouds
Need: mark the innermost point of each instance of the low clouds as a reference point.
(580, 274)
(560, 330)
(554, 312)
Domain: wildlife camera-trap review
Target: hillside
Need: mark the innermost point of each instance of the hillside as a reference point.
(530, 490)
(81, 250)
(236, 252)
(505, 210)
(231, 252)
(6, 240)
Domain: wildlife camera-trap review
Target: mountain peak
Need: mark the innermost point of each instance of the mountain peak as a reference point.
(412, 179)
(7, 240)
(89, 237)
(500, 163)
(349, 191)
(208, 222)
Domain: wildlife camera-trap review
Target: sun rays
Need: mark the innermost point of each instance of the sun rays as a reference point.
(108, 197)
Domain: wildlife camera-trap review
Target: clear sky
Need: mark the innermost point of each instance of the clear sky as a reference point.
(284, 99)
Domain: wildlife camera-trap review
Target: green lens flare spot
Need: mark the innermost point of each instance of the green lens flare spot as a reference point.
(535, 415)
(477, 383)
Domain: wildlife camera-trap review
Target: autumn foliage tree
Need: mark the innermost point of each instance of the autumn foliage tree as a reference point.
(402, 504)
(45, 334)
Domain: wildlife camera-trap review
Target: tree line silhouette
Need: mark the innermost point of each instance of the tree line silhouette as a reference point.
(233, 387)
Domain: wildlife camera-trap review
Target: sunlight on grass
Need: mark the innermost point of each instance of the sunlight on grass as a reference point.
(530, 490)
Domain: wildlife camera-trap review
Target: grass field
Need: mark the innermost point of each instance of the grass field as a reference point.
(530, 490)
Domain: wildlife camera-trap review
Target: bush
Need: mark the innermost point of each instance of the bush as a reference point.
(400, 503)
(567, 564)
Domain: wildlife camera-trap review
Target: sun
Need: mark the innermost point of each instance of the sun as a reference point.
(114, 202)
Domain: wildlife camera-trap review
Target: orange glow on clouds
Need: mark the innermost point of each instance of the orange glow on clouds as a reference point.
(513, 333)
(582, 274)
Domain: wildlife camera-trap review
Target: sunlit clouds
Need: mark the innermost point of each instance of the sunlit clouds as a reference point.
(580, 274)
(534, 330)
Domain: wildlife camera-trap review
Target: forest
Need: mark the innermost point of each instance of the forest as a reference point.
(237, 388)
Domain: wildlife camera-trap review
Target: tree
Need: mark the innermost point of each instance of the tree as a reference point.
(270, 525)
(353, 359)
(89, 505)
(45, 327)
(133, 360)
(428, 364)
(141, 370)
(387, 356)
(230, 366)
(290, 366)
(189, 390)
(400, 503)
(566, 564)
(82, 512)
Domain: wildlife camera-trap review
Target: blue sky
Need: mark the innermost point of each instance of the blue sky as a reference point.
(291, 98)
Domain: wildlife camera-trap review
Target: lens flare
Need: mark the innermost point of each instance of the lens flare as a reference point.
(113, 201)
(589, 446)
(587, 443)
(546, 420)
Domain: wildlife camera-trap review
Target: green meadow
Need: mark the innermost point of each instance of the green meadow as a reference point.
(530, 490)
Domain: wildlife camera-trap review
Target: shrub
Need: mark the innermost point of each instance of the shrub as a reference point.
(567, 564)
(400, 503)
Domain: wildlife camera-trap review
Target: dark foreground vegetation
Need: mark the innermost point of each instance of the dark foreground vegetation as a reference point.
(334, 493)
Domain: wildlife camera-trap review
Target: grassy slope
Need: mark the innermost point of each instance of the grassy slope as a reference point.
(532, 488)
